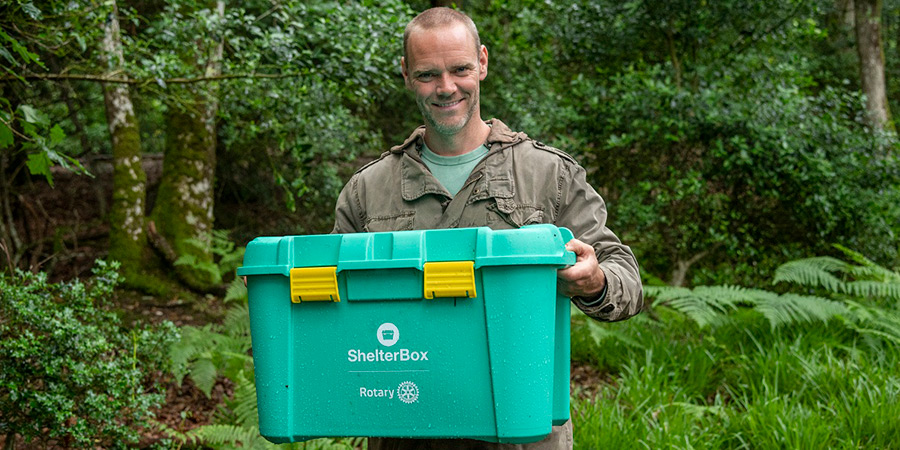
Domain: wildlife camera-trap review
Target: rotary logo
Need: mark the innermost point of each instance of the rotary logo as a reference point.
(408, 392)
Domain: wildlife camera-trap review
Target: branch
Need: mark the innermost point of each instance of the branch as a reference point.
(139, 81)
(738, 46)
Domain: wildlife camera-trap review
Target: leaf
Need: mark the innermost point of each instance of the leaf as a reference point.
(39, 164)
(203, 372)
(6, 136)
(236, 291)
(32, 11)
(791, 308)
(56, 134)
(32, 115)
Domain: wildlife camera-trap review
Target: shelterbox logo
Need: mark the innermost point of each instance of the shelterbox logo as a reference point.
(387, 335)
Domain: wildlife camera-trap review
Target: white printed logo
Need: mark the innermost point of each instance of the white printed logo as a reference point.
(388, 334)
(408, 392)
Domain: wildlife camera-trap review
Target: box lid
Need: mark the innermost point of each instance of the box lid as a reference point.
(542, 244)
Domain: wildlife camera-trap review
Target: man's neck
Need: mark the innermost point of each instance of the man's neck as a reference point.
(459, 143)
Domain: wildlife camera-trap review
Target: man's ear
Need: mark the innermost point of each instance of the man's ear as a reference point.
(483, 63)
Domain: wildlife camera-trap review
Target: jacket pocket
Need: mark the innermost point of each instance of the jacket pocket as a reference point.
(397, 222)
(517, 217)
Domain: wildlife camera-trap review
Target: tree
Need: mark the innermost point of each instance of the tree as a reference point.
(184, 209)
(871, 62)
(127, 236)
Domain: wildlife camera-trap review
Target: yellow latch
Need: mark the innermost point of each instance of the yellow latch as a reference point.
(450, 279)
(314, 284)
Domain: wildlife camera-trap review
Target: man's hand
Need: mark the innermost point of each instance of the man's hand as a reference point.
(585, 278)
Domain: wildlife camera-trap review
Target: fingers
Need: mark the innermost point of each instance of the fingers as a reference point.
(585, 277)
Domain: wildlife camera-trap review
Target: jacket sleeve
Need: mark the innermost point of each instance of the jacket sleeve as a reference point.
(349, 216)
(583, 211)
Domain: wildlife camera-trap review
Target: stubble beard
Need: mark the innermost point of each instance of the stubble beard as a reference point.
(447, 129)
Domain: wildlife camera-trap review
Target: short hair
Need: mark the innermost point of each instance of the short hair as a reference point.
(439, 17)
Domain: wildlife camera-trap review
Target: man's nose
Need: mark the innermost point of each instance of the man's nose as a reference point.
(446, 86)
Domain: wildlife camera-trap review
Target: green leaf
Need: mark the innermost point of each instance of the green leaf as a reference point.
(32, 11)
(32, 115)
(203, 372)
(6, 136)
(56, 134)
(39, 164)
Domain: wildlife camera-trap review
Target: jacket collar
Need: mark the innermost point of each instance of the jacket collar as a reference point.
(500, 134)
(417, 180)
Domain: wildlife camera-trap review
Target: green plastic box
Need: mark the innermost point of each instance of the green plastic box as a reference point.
(455, 333)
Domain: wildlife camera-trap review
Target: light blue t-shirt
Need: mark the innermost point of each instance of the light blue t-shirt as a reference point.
(452, 171)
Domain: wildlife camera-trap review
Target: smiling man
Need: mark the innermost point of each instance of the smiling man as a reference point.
(461, 171)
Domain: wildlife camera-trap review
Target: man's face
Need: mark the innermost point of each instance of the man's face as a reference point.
(444, 70)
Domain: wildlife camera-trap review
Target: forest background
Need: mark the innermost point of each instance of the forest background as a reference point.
(746, 151)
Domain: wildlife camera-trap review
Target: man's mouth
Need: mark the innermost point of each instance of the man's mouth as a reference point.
(448, 104)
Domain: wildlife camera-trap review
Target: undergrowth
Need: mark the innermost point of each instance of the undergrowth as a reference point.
(813, 366)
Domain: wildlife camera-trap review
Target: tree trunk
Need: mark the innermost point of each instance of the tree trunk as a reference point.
(871, 62)
(183, 212)
(127, 238)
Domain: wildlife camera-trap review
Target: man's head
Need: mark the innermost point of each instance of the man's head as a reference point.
(438, 18)
(443, 64)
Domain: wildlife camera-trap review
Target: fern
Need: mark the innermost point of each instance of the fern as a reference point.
(812, 272)
(705, 305)
(600, 332)
(243, 403)
(864, 280)
(788, 309)
(236, 291)
(227, 437)
(712, 305)
(874, 322)
(226, 256)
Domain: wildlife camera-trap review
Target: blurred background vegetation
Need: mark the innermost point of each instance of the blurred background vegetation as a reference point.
(728, 138)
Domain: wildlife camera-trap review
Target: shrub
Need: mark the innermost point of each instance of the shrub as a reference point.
(70, 372)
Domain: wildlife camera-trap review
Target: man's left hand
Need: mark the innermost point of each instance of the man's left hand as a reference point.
(585, 278)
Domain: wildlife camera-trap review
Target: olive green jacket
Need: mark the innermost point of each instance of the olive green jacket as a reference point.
(519, 182)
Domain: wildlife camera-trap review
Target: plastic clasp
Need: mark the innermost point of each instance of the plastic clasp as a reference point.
(450, 279)
(314, 284)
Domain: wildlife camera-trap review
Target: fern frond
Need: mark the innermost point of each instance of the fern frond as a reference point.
(705, 305)
(812, 272)
(236, 291)
(599, 333)
(203, 372)
(791, 308)
(868, 269)
(873, 289)
(244, 401)
(875, 321)
(232, 436)
(237, 320)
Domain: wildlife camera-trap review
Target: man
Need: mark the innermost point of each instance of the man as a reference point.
(460, 171)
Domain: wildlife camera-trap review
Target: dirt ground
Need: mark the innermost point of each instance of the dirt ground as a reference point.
(66, 229)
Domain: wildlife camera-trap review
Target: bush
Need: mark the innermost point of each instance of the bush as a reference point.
(70, 372)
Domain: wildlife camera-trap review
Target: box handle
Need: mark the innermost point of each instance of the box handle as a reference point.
(314, 284)
(449, 279)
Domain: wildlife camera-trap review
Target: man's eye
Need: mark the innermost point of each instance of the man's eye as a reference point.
(426, 76)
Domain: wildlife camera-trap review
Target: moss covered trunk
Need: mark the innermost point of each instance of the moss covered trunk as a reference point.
(183, 212)
(127, 236)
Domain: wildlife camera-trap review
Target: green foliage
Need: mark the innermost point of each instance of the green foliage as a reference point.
(26, 126)
(213, 351)
(226, 255)
(708, 128)
(70, 371)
